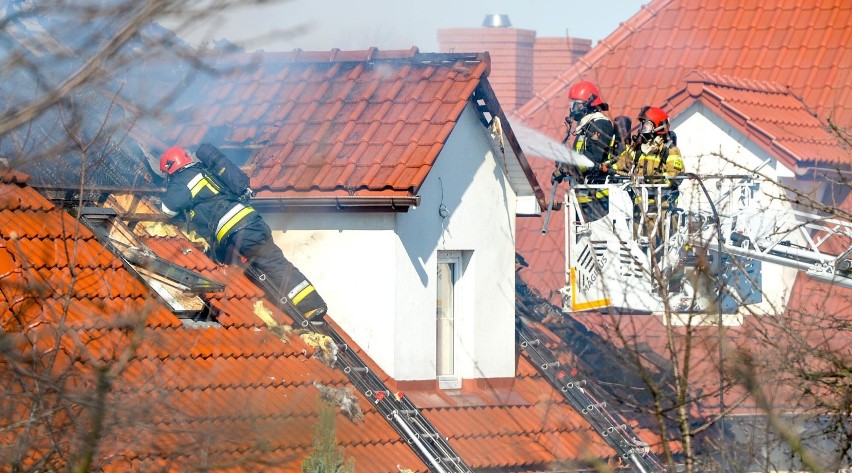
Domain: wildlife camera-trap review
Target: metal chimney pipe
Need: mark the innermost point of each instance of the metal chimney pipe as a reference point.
(495, 20)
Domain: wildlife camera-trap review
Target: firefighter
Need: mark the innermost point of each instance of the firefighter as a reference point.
(653, 155)
(234, 229)
(595, 138)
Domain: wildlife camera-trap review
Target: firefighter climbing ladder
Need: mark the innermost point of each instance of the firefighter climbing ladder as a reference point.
(402, 414)
(582, 397)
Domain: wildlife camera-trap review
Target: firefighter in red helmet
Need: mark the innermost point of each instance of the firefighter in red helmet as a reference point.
(654, 151)
(655, 157)
(216, 208)
(594, 136)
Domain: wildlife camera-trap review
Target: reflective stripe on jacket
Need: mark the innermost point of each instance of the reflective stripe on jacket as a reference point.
(214, 211)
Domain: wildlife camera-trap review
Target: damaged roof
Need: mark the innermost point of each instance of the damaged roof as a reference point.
(234, 394)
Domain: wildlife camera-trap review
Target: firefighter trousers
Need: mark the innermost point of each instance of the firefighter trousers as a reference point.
(255, 243)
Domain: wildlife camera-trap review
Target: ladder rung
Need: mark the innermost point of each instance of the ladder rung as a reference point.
(356, 369)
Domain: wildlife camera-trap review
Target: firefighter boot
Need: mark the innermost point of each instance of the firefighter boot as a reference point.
(306, 299)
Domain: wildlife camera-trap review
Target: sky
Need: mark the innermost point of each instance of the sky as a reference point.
(401, 24)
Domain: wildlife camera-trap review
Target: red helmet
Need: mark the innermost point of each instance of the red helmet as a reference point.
(587, 92)
(174, 159)
(653, 121)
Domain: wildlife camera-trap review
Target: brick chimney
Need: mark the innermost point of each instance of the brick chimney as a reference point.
(554, 55)
(521, 64)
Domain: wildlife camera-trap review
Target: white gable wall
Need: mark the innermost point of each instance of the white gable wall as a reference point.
(377, 270)
(348, 257)
(469, 180)
(710, 145)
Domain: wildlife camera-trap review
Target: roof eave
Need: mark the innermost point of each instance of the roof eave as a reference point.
(337, 203)
(496, 110)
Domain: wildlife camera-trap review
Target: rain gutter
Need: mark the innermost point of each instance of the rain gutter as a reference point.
(349, 203)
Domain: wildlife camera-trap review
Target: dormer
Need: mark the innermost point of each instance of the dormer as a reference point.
(393, 180)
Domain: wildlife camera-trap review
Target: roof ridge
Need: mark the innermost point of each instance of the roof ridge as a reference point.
(10, 176)
(624, 31)
(724, 80)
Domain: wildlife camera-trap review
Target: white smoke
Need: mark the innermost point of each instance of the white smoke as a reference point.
(535, 143)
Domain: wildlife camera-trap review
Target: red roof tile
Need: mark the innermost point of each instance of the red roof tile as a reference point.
(644, 61)
(178, 382)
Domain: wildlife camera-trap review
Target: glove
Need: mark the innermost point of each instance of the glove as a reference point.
(557, 176)
(603, 168)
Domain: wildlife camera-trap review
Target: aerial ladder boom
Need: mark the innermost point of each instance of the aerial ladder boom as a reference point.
(768, 235)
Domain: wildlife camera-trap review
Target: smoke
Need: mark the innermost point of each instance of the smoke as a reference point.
(535, 143)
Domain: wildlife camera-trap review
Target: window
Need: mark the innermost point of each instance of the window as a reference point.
(449, 269)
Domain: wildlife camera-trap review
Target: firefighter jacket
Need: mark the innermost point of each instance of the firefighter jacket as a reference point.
(214, 211)
(656, 158)
(594, 138)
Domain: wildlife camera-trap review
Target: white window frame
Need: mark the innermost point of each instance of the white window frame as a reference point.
(454, 259)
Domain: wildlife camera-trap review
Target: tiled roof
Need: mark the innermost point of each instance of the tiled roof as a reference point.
(768, 113)
(195, 396)
(234, 395)
(511, 52)
(335, 123)
(643, 62)
(793, 355)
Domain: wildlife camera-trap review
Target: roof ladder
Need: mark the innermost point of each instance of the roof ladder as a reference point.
(581, 396)
(432, 448)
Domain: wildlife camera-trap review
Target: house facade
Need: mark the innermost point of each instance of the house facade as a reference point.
(728, 126)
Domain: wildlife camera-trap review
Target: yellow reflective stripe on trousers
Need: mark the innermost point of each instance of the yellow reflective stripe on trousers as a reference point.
(303, 294)
(227, 222)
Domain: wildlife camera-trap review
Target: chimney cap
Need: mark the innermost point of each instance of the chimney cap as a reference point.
(496, 20)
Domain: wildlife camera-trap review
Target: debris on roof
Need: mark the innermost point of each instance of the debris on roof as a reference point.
(326, 349)
(344, 398)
